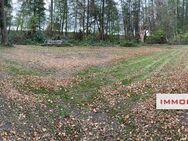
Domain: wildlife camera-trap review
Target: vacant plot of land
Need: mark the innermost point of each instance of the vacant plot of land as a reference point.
(91, 93)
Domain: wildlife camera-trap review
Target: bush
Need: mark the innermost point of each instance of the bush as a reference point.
(128, 44)
(158, 37)
(17, 37)
(25, 38)
(181, 39)
(38, 37)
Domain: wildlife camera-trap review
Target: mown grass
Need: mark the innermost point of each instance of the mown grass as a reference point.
(79, 96)
(127, 72)
(84, 93)
(14, 68)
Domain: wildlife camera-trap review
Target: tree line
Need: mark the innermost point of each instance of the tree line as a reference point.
(99, 19)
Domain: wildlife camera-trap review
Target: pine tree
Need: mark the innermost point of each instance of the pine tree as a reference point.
(37, 16)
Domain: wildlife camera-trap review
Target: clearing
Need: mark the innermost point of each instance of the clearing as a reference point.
(78, 93)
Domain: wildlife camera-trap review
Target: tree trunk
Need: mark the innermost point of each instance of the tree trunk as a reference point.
(83, 16)
(183, 13)
(178, 16)
(51, 15)
(3, 26)
(186, 12)
(102, 22)
(88, 14)
(66, 17)
(76, 16)
(142, 35)
(137, 19)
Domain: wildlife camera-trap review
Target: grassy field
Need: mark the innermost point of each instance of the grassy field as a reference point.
(91, 93)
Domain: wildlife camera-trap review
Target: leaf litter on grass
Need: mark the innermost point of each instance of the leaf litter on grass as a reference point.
(116, 111)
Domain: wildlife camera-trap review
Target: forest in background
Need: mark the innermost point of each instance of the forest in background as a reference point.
(86, 22)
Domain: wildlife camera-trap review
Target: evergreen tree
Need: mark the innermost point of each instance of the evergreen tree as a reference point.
(37, 16)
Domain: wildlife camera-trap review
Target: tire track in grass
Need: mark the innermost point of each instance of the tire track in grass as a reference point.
(162, 58)
(162, 65)
(185, 62)
(127, 69)
(154, 66)
(171, 65)
(157, 68)
(125, 106)
(136, 61)
(176, 63)
(91, 86)
(123, 65)
(145, 72)
(141, 59)
(152, 63)
(88, 89)
(142, 70)
(169, 61)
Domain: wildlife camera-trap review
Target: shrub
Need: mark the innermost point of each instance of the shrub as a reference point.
(17, 37)
(158, 37)
(181, 39)
(38, 37)
(128, 44)
(73, 42)
(25, 37)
